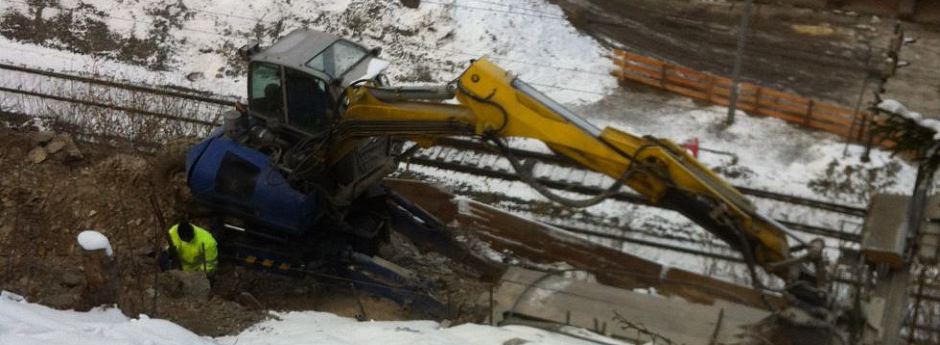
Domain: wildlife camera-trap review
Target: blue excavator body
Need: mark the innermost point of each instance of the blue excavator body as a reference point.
(243, 182)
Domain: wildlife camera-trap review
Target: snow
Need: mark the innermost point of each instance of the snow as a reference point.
(528, 37)
(323, 328)
(24, 323)
(94, 240)
(895, 107)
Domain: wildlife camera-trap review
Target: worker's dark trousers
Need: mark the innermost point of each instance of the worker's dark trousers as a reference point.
(166, 262)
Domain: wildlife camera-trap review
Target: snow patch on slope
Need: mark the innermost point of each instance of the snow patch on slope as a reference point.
(430, 44)
(24, 323)
(323, 328)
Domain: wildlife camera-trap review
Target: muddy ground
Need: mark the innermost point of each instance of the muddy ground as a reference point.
(820, 54)
(43, 206)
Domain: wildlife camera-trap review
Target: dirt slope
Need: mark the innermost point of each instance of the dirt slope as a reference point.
(43, 206)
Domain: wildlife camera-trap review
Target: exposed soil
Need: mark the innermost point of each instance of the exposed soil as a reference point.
(83, 29)
(43, 206)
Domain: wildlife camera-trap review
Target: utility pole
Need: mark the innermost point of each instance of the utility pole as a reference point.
(738, 57)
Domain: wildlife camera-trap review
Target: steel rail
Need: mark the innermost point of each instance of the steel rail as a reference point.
(105, 105)
(120, 85)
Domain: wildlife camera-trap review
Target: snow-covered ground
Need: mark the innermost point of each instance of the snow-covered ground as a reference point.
(436, 40)
(23, 323)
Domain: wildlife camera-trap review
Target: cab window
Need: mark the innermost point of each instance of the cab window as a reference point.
(308, 102)
(337, 58)
(266, 95)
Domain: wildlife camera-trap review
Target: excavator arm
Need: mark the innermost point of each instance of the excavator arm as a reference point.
(492, 104)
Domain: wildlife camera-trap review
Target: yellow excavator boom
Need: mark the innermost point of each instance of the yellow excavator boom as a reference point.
(493, 104)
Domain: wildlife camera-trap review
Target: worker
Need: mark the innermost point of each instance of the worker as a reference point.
(194, 247)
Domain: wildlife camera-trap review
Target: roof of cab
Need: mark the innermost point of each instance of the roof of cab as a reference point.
(298, 47)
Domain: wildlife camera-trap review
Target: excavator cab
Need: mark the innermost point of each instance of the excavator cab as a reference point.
(270, 172)
(295, 85)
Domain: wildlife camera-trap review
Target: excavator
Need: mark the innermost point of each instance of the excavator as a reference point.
(295, 175)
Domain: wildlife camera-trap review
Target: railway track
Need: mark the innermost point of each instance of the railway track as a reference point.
(109, 107)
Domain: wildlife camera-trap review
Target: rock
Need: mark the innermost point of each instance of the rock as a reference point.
(248, 300)
(57, 144)
(71, 279)
(72, 153)
(60, 301)
(37, 155)
(41, 138)
(411, 3)
(515, 341)
(68, 150)
(195, 76)
(300, 291)
(179, 284)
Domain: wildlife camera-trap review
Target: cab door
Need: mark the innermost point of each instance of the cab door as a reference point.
(309, 105)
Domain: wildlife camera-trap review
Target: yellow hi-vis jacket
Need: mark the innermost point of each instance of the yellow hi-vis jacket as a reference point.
(191, 254)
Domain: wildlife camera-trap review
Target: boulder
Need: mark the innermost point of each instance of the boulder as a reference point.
(71, 279)
(57, 144)
(37, 155)
(41, 138)
(62, 301)
(64, 148)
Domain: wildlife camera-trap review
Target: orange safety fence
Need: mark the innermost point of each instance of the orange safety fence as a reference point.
(754, 99)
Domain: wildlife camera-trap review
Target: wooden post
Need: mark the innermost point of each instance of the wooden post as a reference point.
(623, 67)
(98, 262)
(662, 76)
(809, 113)
(711, 87)
(100, 288)
(864, 122)
(757, 94)
(492, 314)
